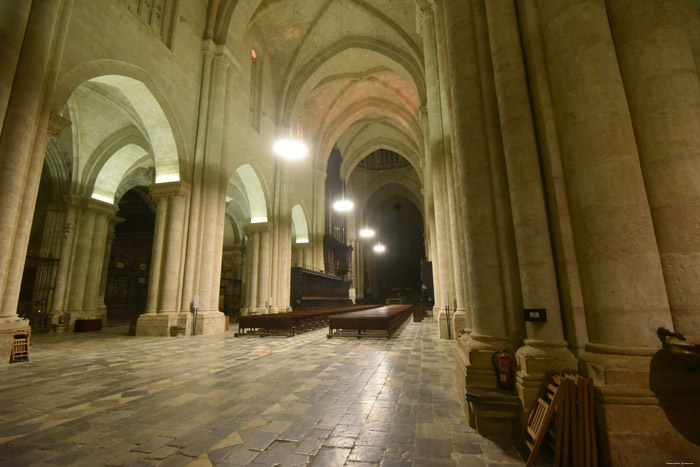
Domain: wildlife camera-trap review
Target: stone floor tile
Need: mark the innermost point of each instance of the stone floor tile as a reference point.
(340, 442)
(296, 460)
(309, 446)
(234, 401)
(177, 460)
(371, 454)
(328, 457)
(275, 453)
(240, 456)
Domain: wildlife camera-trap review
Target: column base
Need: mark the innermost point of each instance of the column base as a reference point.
(280, 309)
(254, 311)
(70, 317)
(491, 411)
(442, 326)
(8, 328)
(459, 323)
(210, 322)
(536, 359)
(156, 324)
(647, 401)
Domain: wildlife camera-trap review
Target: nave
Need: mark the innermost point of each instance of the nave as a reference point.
(116, 400)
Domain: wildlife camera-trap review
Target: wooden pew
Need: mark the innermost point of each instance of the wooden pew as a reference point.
(291, 323)
(378, 322)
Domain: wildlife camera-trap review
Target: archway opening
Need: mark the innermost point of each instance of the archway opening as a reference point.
(130, 259)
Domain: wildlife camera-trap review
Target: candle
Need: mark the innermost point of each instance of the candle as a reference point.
(445, 299)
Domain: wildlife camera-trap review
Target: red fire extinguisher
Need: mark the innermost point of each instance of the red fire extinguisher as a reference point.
(503, 366)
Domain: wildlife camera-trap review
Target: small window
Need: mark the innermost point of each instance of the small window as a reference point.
(255, 88)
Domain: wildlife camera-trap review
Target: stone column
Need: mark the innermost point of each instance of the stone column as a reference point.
(97, 259)
(545, 349)
(297, 256)
(206, 209)
(253, 248)
(101, 306)
(165, 275)
(81, 261)
(438, 163)
(264, 268)
(663, 92)
(319, 227)
(66, 254)
(621, 275)
(475, 178)
(237, 254)
(237, 259)
(621, 272)
(22, 146)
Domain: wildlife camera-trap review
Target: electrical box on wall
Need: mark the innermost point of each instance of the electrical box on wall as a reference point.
(535, 314)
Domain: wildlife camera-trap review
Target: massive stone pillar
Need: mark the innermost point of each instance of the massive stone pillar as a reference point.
(438, 165)
(254, 247)
(663, 91)
(204, 246)
(22, 145)
(264, 267)
(82, 260)
(430, 213)
(165, 281)
(545, 349)
(621, 275)
(319, 226)
(471, 149)
(97, 261)
(101, 306)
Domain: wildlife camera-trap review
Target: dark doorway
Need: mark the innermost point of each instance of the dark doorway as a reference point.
(130, 260)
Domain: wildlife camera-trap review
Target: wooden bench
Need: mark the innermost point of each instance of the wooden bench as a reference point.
(378, 322)
(291, 323)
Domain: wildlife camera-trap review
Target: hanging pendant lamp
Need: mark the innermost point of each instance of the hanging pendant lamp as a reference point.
(343, 205)
(292, 148)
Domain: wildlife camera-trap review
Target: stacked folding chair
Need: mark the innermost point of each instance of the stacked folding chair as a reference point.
(563, 419)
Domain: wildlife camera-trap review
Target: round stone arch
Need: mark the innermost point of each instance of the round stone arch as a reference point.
(151, 104)
(255, 192)
(118, 155)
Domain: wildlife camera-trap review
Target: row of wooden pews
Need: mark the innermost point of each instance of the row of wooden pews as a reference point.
(377, 322)
(292, 323)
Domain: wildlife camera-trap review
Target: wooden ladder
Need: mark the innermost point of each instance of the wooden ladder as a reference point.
(20, 348)
(564, 417)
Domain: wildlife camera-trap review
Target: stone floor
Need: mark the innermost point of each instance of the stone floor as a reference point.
(108, 399)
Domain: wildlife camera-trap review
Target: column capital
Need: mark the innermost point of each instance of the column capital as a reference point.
(100, 207)
(257, 228)
(56, 125)
(169, 189)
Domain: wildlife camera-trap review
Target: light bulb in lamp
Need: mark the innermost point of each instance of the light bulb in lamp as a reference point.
(290, 149)
(366, 233)
(379, 248)
(343, 205)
